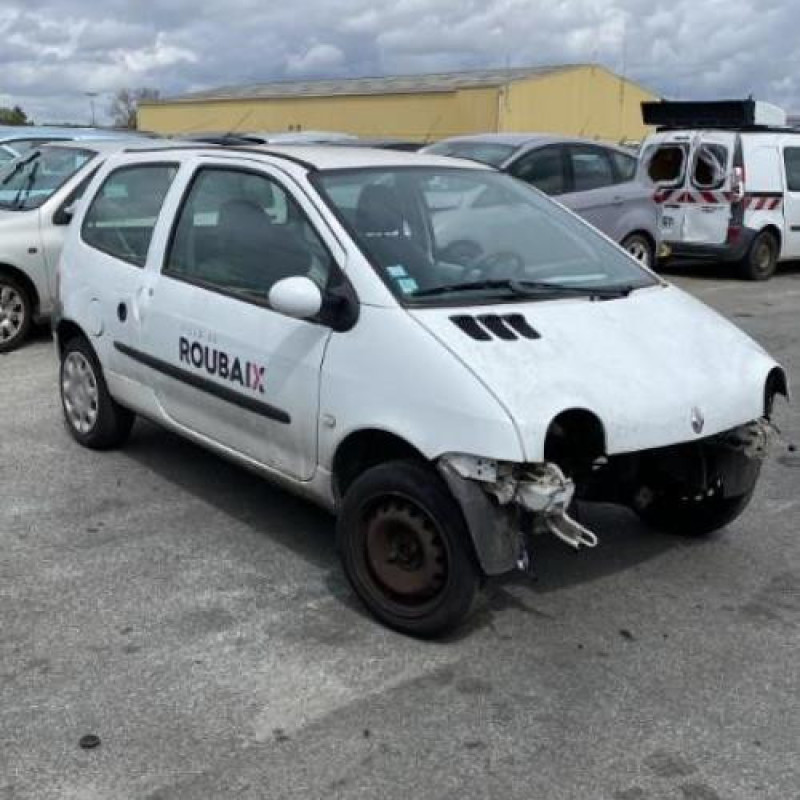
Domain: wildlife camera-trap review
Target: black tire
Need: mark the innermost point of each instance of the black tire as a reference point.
(691, 517)
(405, 549)
(641, 248)
(105, 423)
(16, 313)
(762, 258)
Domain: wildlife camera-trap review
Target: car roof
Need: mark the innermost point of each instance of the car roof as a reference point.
(13, 133)
(109, 145)
(527, 139)
(332, 156)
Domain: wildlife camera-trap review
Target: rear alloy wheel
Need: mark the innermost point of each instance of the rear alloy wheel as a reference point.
(404, 549)
(640, 248)
(16, 312)
(762, 258)
(92, 416)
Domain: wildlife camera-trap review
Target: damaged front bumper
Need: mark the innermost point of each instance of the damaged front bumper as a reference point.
(503, 503)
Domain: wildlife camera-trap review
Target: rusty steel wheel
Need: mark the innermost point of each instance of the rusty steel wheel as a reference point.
(405, 548)
(404, 551)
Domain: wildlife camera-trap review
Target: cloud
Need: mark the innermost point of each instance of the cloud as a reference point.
(54, 51)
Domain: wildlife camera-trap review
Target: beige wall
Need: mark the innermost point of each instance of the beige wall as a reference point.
(587, 101)
(412, 116)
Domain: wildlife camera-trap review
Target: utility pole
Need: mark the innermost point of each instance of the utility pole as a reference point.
(91, 96)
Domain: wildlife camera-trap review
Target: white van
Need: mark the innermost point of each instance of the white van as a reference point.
(446, 389)
(727, 177)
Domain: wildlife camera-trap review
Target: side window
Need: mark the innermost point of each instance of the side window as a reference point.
(591, 168)
(625, 165)
(543, 168)
(240, 232)
(710, 163)
(791, 159)
(123, 213)
(665, 164)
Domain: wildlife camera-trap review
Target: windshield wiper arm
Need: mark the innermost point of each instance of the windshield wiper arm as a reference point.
(22, 162)
(528, 289)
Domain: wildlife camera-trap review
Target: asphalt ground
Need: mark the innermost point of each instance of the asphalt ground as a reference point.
(196, 621)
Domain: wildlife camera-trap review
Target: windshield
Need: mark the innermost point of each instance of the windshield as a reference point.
(492, 153)
(28, 181)
(474, 235)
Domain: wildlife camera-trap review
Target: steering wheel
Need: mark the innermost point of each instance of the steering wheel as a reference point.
(504, 264)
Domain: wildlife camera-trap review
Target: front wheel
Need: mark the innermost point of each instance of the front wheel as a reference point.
(16, 314)
(762, 258)
(92, 416)
(640, 247)
(405, 549)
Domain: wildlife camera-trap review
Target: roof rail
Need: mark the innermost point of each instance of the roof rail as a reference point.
(221, 148)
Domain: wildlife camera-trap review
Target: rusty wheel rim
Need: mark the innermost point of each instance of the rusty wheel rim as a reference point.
(405, 553)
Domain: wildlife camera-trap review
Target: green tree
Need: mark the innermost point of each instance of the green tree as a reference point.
(125, 103)
(14, 116)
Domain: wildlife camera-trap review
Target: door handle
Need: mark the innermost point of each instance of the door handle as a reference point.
(617, 201)
(122, 312)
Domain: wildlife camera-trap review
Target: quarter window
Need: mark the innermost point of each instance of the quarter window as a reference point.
(124, 211)
(591, 168)
(543, 168)
(710, 163)
(791, 159)
(240, 233)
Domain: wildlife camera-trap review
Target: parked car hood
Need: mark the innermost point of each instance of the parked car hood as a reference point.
(648, 365)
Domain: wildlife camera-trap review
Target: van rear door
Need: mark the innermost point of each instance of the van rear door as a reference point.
(707, 199)
(665, 158)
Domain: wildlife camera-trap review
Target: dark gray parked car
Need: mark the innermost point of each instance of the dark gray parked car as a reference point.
(600, 182)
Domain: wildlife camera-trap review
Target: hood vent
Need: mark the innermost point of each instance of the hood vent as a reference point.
(485, 327)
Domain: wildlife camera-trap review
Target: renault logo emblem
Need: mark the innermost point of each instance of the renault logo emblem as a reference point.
(698, 421)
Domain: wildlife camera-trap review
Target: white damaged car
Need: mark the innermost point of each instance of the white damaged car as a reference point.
(447, 386)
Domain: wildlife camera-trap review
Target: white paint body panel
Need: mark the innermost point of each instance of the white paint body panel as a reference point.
(640, 363)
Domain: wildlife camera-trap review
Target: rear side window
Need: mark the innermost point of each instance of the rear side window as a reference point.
(625, 165)
(543, 168)
(666, 164)
(591, 168)
(791, 158)
(123, 213)
(710, 163)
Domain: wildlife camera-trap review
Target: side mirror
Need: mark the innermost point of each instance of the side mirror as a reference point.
(296, 297)
(64, 215)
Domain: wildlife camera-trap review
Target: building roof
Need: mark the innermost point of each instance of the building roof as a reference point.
(396, 84)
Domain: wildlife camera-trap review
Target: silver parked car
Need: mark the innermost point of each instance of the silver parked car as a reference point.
(38, 191)
(600, 182)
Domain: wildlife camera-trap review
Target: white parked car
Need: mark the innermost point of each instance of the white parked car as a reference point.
(298, 311)
(37, 193)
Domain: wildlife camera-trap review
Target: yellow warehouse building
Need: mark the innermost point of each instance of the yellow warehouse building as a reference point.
(578, 100)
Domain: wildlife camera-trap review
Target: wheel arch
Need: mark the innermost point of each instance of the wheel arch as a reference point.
(775, 384)
(24, 280)
(575, 433)
(365, 448)
(65, 330)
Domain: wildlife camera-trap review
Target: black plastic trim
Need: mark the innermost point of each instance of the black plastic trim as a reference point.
(496, 324)
(471, 327)
(521, 326)
(205, 385)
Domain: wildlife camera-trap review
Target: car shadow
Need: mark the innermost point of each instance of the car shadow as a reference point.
(293, 522)
(718, 270)
(308, 531)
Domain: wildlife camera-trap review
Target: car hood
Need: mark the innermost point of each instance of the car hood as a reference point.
(648, 366)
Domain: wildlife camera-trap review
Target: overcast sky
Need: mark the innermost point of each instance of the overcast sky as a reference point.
(53, 51)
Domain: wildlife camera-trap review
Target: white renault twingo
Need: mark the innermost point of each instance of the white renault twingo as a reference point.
(447, 376)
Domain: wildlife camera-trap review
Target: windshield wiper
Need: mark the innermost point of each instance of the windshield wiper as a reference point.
(22, 162)
(529, 289)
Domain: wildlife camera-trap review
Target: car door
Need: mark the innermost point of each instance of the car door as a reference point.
(542, 167)
(224, 365)
(791, 165)
(592, 191)
(707, 207)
